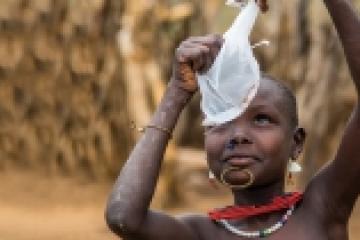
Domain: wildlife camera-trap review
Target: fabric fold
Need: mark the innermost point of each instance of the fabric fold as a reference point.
(232, 82)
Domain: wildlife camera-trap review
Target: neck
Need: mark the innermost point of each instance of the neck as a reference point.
(258, 195)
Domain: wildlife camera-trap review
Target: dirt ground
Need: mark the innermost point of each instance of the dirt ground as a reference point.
(39, 208)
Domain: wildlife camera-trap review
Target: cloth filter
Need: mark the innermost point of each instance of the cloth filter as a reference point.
(233, 80)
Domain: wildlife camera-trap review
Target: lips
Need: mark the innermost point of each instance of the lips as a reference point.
(240, 160)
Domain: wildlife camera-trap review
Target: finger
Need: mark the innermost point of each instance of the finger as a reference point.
(192, 52)
(214, 42)
(200, 61)
(201, 56)
(215, 49)
(185, 48)
(214, 52)
(218, 40)
(208, 60)
(208, 40)
(179, 55)
(195, 55)
(186, 53)
(208, 46)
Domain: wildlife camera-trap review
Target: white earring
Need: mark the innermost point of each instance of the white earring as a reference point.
(212, 180)
(294, 167)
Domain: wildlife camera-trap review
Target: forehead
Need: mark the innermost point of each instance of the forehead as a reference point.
(270, 96)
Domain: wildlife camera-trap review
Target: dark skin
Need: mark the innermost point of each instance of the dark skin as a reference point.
(265, 135)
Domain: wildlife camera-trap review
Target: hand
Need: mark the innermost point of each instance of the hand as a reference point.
(196, 54)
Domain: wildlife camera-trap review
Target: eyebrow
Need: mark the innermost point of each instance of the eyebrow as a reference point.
(258, 107)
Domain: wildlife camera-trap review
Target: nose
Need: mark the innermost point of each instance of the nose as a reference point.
(238, 138)
(235, 141)
(232, 144)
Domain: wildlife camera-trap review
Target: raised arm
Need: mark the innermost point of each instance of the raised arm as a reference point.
(347, 23)
(128, 213)
(335, 189)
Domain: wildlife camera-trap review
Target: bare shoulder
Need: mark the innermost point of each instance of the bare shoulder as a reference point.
(331, 194)
(302, 225)
(305, 224)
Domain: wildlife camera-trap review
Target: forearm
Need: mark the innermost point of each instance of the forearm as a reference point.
(134, 188)
(347, 23)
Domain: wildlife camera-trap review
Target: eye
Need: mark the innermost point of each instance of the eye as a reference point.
(263, 119)
(216, 128)
(208, 129)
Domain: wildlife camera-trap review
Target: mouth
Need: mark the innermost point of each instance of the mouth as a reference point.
(240, 160)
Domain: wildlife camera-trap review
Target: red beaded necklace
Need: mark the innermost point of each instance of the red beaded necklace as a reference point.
(240, 212)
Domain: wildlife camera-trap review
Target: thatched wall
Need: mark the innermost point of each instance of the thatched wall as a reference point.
(74, 74)
(62, 96)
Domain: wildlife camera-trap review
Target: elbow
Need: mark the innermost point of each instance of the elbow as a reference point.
(119, 222)
(113, 221)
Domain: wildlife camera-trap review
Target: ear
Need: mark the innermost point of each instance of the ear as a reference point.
(298, 142)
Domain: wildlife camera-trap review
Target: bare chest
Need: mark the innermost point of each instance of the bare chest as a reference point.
(295, 229)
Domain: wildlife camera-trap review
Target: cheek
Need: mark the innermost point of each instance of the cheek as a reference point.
(274, 144)
(214, 146)
(274, 148)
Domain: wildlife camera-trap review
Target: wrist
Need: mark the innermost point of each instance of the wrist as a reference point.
(178, 92)
(170, 107)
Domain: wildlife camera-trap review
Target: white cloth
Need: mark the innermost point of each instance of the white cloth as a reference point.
(232, 82)
(238, 3)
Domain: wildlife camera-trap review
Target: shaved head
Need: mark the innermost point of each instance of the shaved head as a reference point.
(287, 98)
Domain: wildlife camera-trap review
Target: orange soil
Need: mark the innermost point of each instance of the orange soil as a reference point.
(39, 208)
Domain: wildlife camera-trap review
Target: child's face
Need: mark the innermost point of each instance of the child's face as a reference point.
(264, 140)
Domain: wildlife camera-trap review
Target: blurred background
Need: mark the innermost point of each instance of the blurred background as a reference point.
(77, 75)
